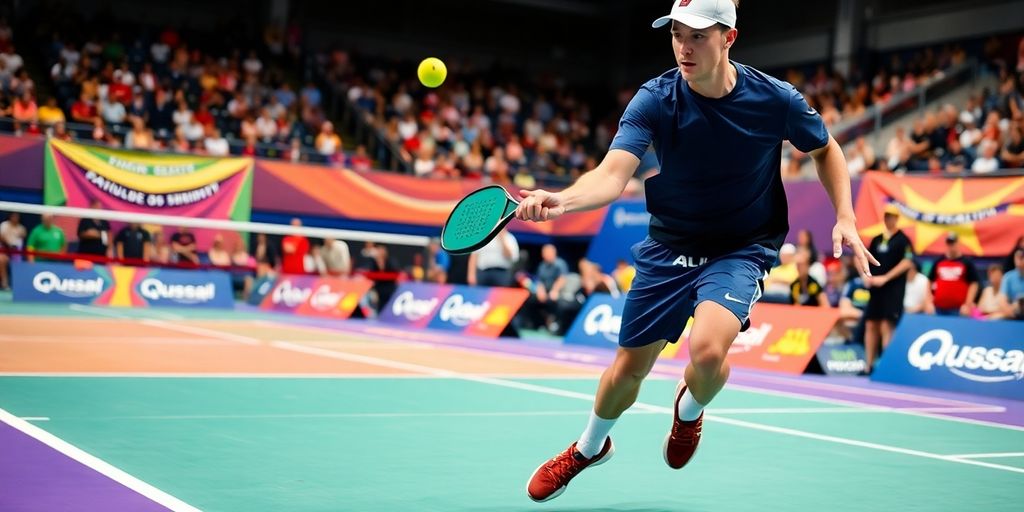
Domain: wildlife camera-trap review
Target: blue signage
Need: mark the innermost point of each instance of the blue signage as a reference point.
(625, 224)
(597, 324)
(956, 354)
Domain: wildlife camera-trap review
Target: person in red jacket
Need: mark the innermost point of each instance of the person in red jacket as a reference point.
(294, 248)
(954, 281)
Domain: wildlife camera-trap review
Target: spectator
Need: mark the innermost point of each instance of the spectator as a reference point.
(360, 162)
(438, 262)
(218, 255)
(294, 248)
(956, 160)
(805, 240)
(327, 142)
(805, 290)
(94, 234)
(888, 284)
(46, 238)
(835, 282)
(161, 249)
(1013, 153)
(134, 243)
(183, 247)
(378, 260)
(861, 158)
(624, 274)
(1008, 263)
(1011, 290)
(139, 137)
(334, 258)
(591, 280)
(265, 255)
(550, 279)
(986, 161)
(918, 297)
(852, 306)
(776, 285)
(50, 114)
(12, 238)
(215, 144)
(492, 265)
(988, 304)
(954, 281)
(25, 110)
(898, 148)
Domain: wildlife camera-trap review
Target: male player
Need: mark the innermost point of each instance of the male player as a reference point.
(718, 216)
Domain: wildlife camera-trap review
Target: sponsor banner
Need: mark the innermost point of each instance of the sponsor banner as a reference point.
(842, 359)
(260, 289)
(985, 212)
(956, 354)
(414, 304)
(478, 311)
(131, 181)
(335, 297)
(625, 224)
(313, 295)
(118, 286)
(781, 338)
(597, 324)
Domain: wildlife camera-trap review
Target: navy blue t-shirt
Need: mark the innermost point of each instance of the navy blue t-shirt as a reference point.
(720, 185)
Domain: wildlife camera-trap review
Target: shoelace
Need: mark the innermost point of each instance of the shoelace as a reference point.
(685, 435)
(561, 466)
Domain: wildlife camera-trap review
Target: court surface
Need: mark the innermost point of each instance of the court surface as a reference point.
(126, 410)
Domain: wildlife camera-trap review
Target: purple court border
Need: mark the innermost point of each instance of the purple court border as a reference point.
(37, 478)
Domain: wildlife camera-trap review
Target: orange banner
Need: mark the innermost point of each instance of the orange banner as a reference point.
(780, 338)
(986, 213)
(386, 197)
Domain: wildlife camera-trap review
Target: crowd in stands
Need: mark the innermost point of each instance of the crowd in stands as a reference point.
(167, 90)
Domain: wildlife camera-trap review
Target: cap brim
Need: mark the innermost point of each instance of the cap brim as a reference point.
(690, 20)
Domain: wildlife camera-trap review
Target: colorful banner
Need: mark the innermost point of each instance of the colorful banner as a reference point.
(385, 198)
(956, 354)
(21, 162)
(118, 286)
(986, 213)
(477, 311)
(180, 185)
(315, 296)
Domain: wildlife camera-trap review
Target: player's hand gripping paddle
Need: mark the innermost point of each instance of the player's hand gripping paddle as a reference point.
(477, 219)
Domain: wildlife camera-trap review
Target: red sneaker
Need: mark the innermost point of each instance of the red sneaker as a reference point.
(682, 440)
(552, 477)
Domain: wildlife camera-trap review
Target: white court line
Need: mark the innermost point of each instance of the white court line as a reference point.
(640, 405)
(35, 418)
(987, 455)
(201, 331)
(343, 415)
(107, 311)
(96, 464)
(128, 340)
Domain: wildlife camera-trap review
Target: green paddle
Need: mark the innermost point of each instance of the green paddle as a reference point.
(477, 219)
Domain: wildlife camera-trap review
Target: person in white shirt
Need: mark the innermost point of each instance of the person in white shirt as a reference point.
(215, 144)
(12, 236)
(333, 259)
(918, 295)
(492, 265)
(987, 161)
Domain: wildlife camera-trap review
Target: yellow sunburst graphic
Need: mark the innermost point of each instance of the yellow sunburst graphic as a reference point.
(926, 221)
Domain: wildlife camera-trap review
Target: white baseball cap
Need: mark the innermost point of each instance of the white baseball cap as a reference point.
(700, 14)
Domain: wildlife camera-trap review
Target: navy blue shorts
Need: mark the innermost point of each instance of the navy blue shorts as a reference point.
(668, 287)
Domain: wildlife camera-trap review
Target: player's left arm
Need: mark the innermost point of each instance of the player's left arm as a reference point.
(831, 166)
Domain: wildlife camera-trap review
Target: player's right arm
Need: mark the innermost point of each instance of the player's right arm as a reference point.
(594, 189)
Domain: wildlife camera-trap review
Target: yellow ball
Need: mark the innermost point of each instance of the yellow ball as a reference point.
(432, 72)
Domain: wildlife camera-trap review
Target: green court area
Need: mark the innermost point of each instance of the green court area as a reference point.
(451, 444)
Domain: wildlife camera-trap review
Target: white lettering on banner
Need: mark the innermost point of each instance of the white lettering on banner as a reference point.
(324, 299)
(958, 358)
(48, 282)
(461, 312)
(407, 305)
(155, 289)
(602, 319)
(290, 295)
(126, 165)
(622, 217)
(750, 339)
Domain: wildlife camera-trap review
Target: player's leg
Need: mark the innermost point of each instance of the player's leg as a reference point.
(872, 339)
(4, 284)
(726, 291)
